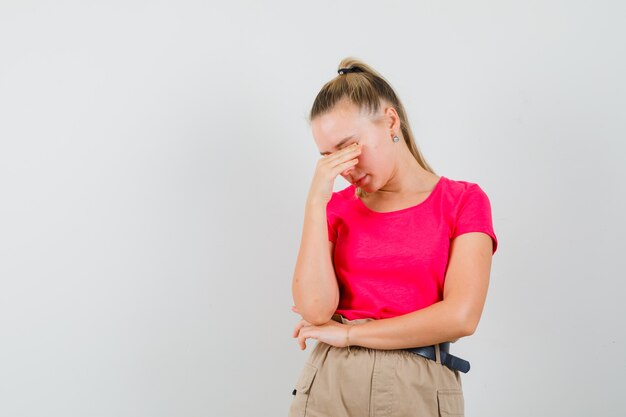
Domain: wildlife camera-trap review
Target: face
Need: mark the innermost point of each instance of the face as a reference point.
(346, 124)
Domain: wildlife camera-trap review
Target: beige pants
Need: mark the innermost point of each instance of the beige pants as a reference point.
(375, 383)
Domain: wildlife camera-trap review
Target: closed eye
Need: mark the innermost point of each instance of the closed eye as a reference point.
(340, 145)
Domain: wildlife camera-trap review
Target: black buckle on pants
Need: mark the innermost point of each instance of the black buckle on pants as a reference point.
(447, 359)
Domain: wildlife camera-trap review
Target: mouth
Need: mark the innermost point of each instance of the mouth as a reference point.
(360, 180)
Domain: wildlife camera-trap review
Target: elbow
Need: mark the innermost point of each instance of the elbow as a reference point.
(318, 318)
(317, 310)
(468, 325)
(469, 329)
(316, 314)
(318, 321)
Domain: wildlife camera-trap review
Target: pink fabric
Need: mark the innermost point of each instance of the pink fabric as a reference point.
(393, 263)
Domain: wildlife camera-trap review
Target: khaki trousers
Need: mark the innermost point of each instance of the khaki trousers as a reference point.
(366, 382)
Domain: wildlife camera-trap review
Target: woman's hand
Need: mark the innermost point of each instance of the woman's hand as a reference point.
(333, 332)
(327, 169)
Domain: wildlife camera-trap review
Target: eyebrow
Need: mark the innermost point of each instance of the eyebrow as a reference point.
(341, 142)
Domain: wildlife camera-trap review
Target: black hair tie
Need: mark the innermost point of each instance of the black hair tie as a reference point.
(342, 71)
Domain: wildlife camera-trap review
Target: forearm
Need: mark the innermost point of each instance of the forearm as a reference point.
(314, 287)
(437, 323)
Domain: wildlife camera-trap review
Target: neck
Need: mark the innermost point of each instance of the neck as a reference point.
(408, 177)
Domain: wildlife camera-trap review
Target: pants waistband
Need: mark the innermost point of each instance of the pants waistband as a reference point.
(440, 353)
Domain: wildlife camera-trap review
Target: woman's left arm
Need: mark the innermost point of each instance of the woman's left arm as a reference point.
(456, 316)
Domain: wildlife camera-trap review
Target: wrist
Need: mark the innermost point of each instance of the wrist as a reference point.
(348, 342)
(315, 203)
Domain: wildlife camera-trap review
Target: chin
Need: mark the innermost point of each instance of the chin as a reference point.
(366, 188)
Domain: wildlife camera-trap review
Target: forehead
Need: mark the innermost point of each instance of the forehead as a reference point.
(335, 127)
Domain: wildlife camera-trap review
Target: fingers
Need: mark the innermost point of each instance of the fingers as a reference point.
(302, 323)
(302, 342)
(347, 161)
(328, 168)
(344, 156)
(298, 330)
(355, 147)
(348, 152)
(301, 331)
(305, 333)
(345, 166)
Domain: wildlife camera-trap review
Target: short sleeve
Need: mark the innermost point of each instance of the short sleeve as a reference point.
(331, 218)
(474, 214)
(330, 222)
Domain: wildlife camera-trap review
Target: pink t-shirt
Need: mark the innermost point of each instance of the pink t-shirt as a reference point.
(393, 263)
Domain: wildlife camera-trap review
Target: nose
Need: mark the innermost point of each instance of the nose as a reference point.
(346, 172)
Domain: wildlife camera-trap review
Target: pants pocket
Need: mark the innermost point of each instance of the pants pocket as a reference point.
(451, 403)
(303, 387)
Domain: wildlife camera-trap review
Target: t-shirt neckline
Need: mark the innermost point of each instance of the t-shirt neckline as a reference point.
(383, 213)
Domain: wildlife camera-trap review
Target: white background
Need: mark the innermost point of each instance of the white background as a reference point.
(155, 160)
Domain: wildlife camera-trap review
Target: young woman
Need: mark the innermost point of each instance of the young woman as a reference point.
(391, 269)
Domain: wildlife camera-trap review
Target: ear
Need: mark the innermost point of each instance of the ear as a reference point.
(392, 119)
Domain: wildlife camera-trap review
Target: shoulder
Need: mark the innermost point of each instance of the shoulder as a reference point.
(342, 197)
(460, 187)
(471, 210)
(459, 190)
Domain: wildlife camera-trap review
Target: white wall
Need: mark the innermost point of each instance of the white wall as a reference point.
(155, 159)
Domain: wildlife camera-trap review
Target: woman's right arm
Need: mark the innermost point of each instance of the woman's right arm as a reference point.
(314, 287)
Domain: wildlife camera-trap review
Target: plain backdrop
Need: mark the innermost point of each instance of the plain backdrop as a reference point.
(155, 159)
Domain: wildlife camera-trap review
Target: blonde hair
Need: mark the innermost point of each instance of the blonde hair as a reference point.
(365, 89)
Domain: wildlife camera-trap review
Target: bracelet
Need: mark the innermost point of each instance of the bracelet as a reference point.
(348, 338)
